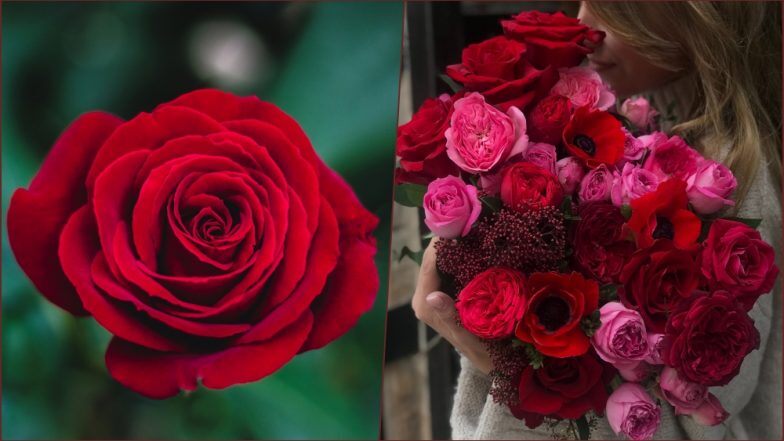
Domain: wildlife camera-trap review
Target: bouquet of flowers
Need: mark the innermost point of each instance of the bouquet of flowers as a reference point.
(584, 246)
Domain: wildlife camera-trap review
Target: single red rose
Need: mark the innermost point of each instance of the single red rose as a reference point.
(595, 137)
(563, 388)
(556, 305)
(552, 39)
(421, 143)
(548, 119)
(707, 337)
(600, 248)
(498, 69)
(525, 185)
(206, 236)
(737, 260)
(655, 279)
(663, 214)
(492, 303)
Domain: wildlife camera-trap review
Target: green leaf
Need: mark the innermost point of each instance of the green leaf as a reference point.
(451, 83)
(416, 256)
(753, 223)
(410, 195)
(590, 324)
(567, 209)
(608, 293)
(626, 211)
(583, 427)
(493, 203)
(535, 358)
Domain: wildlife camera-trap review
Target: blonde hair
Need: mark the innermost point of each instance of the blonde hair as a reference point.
(729, 55)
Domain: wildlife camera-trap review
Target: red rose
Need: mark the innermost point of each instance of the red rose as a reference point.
(421, 143)
(552, 39)
(497, 68)
(524, 185)
(491, 304)
(206, 236)
(556, 305)
(736, 259)
(548, 119)
(707, 338)
(655, 279)
(663, 214)
(600, 248)
(595, 137)
(563, 388)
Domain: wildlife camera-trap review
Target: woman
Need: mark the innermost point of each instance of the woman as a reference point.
(718, 66)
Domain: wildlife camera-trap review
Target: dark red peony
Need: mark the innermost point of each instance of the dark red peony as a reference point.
(556, 305)
(663, 214)
(563, 388)
(492, 303)
(600, 248)
(707, 338)
(421, 143)
(552, 39)
(736, 259)
(498, 69)
(548, 119)
(595, 137)
(207, 236)
(525, 185)
(655, 279)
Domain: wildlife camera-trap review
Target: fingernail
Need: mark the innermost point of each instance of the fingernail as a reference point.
(436, 301)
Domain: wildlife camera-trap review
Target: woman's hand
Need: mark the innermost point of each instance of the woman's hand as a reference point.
(437, 310)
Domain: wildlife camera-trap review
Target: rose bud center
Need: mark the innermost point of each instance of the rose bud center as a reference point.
(553, 313)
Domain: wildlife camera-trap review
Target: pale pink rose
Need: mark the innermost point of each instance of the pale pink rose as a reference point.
(635, 373)
(481, 137)
(583, 87)
(570, 173)
(541, 154)
(672, 158)
(596, 185)
(631, 183)
(631, 411)
(451, 207)
(633, 148)
(709, 189)
(691, 399)
(639, 112)
(621, 340)
(655, 344)
(652, 140)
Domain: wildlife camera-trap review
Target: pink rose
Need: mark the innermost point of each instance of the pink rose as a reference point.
(633, 148)
(655, 344)
(584, 87)
(481, 137)
(631, 183)
(652, 140)
(631, 411)
(710, 188)
(451, 207)
(621, 339)
(691, 399)
(570, 173)
(672, 158)
(541, 154)
(596, 185)
(639, 112)
(635, 373)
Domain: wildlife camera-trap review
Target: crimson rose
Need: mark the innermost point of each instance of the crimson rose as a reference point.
(600, 248)
(707, 338)
(491, 304)
(207, 236)
(548, 119)
(524, 185)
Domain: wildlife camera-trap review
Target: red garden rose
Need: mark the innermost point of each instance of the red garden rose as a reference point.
(421, 144)
(563, 388)
(548, 119)
(497, 68)
(595, 137)
(600, 248)
(552, 39)
(663, 214)
(524, 185)
(655, 279)
(736, 259)
(206, 236)
(708, 335)
(491, 304)
(556, 305)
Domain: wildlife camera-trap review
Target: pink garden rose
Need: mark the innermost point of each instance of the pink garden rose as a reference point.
(570, 173)
(584, 87)
(639, 112)
(655, 342)
(633, 148)
(691, 399)
(631, 411)
(541, 154)
(451, 207)
(709, 189)
(481, 137)
(596, 185)
(621, 340)
(672, 158)
(631, 183)
(636, 373)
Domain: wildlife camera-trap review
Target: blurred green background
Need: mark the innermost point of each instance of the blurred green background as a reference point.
(332, 66)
